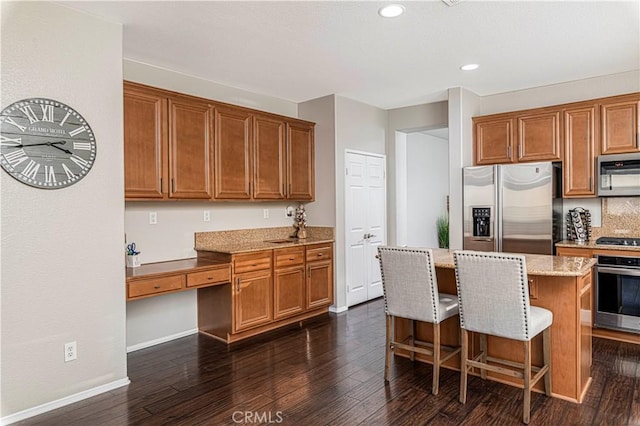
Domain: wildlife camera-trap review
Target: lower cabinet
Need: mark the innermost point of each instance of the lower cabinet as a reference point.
(252, 290)
(269, 289)
(289, 281)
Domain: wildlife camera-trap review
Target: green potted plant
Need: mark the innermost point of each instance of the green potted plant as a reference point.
(442, 225)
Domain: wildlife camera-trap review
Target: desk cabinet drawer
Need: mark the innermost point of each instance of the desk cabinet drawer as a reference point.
(252, 262)
(288, 257)
(318, 253)
(213, 276)
(155, 286)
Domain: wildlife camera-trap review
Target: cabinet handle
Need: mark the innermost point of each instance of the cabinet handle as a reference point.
(173, 185)
(249, 188)
(161, 185)
(508, 151)
(519, 150)
(292, 258)
(591, 183)
(319, 254)
(238, 286)
(157, 286)
(638, 140)
(209, 278)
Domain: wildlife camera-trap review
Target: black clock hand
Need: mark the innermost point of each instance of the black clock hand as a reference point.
(40, 144)
(57, 147)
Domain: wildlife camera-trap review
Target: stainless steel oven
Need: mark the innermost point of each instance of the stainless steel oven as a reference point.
(617, 287)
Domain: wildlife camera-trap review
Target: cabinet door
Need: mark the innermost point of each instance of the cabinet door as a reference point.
(232, 153)
(579, 151)
(300, 161)
(319, 284)
(145, 143)
(289, 291)
(539, 137)
(253, 295)
(620, 132)
(493, 140)
(190, 149)
(268, 158)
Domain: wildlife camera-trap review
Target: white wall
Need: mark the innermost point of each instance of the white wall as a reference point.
(463, 105)
(62, 268)
(407, 119)
(161, 318)
(322, 112)
(359, 127)
(427, 187)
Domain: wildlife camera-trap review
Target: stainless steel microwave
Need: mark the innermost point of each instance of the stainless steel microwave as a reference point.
(619, 175)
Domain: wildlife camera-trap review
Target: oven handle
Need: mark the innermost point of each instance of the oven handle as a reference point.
(618, 271)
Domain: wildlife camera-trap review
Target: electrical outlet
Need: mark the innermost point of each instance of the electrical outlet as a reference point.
(207, 216)
(70, 351)
(265, 213)
(288, 211)
(153, 218)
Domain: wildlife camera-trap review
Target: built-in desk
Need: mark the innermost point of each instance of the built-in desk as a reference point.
(560, 284)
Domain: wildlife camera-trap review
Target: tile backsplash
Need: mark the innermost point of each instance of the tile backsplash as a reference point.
(620, 217)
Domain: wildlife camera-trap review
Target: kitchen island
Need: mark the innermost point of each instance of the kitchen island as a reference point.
(559, 284)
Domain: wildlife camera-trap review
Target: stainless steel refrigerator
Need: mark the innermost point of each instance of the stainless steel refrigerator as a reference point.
(514, 208)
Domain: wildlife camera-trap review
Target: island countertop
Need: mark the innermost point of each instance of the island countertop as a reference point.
(537, 264)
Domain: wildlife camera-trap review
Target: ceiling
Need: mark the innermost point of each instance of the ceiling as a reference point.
(302, 50)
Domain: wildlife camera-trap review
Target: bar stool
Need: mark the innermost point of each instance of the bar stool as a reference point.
(411, 292)
(493, 296)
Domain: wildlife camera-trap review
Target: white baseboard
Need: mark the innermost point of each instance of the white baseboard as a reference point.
(338, 309)
(40, 409)
(164, 339)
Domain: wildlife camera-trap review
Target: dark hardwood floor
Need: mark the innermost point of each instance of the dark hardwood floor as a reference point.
(330, 372)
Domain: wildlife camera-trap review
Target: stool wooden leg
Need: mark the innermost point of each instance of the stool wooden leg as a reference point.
(546, 349)
(436, 358)
(387, 353)
(527, 382)
(483, 350)
(412, 338)
(463, 366)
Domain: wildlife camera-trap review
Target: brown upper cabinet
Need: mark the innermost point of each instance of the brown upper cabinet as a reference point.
(300, 160)
(573, 133)
(579, 151)
(184, 147)
(167, 145)
(232, 153)
(262, 157)
(146, 143)
(539, 136)
(513, 137)
(493, 139)
(620, 121)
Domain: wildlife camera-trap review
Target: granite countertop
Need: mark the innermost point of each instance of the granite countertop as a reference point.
(592, 245)
(537, 264)
(250, 240)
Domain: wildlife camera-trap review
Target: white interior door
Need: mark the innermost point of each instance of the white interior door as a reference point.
(365, 207)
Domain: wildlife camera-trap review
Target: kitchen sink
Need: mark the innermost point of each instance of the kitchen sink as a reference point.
(282, 240)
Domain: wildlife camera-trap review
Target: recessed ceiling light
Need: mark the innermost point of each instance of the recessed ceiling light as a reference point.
(391, 11)
(469, 67)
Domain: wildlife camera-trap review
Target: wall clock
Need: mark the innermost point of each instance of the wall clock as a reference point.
(45, 143)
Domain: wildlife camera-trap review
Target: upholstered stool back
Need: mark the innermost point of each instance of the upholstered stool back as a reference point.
(409, 283)
(493, 294)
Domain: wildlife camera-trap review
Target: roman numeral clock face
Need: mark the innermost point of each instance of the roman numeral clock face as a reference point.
(45, 143)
